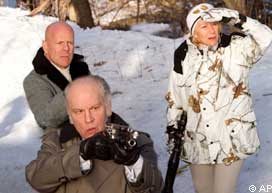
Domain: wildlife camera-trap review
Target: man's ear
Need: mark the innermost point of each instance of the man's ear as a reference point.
(70, 120)
(108, 108)
(45, 47)
(69, 116)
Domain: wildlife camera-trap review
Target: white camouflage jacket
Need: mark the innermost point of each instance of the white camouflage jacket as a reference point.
(212, 86)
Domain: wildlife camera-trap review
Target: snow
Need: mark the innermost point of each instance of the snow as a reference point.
(151, 28)
(136, 64)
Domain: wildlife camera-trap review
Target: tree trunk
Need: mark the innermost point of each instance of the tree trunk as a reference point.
(80, 12)
(62, 8)
(239, 5)
(138, 10)
(43, 7)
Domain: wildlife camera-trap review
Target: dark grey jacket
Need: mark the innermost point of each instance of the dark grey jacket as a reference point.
(44, 89)
(57, 168)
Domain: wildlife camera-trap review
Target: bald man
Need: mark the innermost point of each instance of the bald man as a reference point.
(82, 158)
(55, 65)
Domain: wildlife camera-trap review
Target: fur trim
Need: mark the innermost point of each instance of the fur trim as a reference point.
(43, 66)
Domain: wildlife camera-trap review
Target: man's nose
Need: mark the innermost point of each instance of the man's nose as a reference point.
(89, 117)
(66, 46)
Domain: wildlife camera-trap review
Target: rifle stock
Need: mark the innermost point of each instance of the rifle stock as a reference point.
(173, 162)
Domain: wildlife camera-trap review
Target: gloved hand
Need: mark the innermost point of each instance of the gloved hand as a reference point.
(176, 133)
(170, 134)
(96, 147)
(222, 15)
(125, 157)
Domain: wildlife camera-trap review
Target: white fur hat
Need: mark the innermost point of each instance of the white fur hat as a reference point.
(195, 14)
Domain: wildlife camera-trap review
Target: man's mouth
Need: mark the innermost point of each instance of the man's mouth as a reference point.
(91, 131)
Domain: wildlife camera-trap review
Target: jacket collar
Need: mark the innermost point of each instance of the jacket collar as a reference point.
(68, 132)
(43, 67)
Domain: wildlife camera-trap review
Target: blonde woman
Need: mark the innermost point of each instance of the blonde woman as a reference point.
(210, 81)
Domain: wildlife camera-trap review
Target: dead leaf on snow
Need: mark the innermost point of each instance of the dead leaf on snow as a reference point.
(101, 63)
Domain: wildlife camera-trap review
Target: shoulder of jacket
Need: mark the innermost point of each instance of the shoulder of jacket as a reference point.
(33, 78)
(32, 74)
(179, 56)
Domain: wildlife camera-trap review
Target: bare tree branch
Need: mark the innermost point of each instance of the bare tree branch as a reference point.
(41, 8)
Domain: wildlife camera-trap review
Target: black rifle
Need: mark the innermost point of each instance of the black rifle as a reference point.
(173, 163)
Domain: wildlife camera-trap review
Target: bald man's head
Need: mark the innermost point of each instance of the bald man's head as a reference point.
(55, 27)
(59, 44)
(88, 102)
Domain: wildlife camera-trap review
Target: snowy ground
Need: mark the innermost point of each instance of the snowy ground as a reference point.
(136, 65)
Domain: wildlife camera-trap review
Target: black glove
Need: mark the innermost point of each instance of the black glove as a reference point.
(125, 157)
(96, 147)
